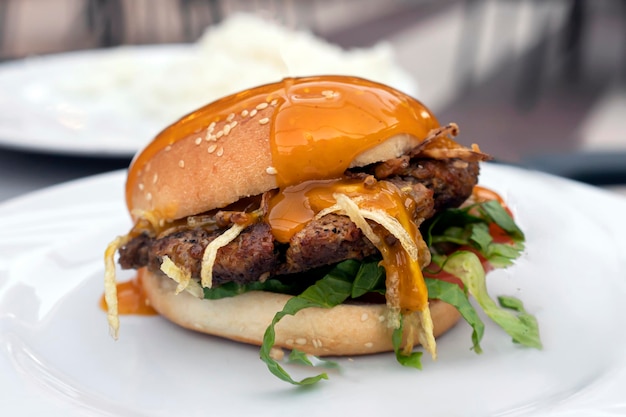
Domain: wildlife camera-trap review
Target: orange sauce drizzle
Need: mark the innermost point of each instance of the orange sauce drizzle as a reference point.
(347, 114)
(295, 206)
(131, 298)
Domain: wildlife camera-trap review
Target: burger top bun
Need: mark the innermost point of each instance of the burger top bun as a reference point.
(267, 137)
(194, 175)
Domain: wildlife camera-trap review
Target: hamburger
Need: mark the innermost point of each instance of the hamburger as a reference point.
(328, 215)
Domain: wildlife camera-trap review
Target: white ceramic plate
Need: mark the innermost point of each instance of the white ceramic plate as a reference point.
(57, 359)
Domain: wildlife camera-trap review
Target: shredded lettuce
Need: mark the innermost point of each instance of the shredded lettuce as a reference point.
(350, 279)
(455, 296)
(369, 278)
(231, 289)
(523, 327)
(333, 289)
(458, 239)
(469, 227)
(298, 357)
(411, 359)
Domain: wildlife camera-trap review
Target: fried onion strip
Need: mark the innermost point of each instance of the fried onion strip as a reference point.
(110, 283)
(210, 253)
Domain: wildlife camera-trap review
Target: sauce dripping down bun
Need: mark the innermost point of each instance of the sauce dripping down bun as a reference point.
(273, 136)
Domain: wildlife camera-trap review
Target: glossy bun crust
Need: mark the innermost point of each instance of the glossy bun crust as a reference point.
(228, 149)
(349, 329)
(194, 175)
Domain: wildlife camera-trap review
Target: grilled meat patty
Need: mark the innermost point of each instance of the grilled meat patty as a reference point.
(254, 254)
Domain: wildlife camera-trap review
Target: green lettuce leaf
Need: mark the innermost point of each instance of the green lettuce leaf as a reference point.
(455, 296)
(370, 278)
(231, 289)
(413, 359)
(449, 231)
(469, 226)
(298, 357)
(333, 289)
(495, 212)
(522, 327)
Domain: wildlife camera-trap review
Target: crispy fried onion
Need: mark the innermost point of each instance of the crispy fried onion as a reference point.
(182, 277)
(358, 216)
(419, 320)
(422, 322)
(428, 148)
(110, 285)
(149, 216)
(210, 253)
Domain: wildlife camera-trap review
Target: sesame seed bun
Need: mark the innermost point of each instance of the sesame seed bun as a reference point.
(223, 152)
(348, 329)
(194, 175)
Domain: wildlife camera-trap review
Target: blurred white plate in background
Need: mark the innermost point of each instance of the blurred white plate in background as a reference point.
(112, 102)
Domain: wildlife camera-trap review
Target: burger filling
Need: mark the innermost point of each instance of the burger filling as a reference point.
(255, 254)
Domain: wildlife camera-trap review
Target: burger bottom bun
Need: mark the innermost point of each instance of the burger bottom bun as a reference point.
(348, 329)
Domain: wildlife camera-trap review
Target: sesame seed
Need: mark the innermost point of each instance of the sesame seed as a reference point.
(369, 345)
(271, 170)
(261, 106)
(364, 316)
(149, 196)
(155, 178)
(301, 341)
(264, 121)
(233, 124)
(253, 113)
(140, 185)
(211, 127)
(244, 113)
(274, 102)
(226, 130)
(198, 141)
(212, 148)
(210, 138)
(168, 148)
(181, 163)
(219, 134)
(317, 343)
(220, 151)
(277, 354)
(230, 117)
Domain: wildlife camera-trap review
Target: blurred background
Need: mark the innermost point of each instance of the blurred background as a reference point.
(537, 83)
